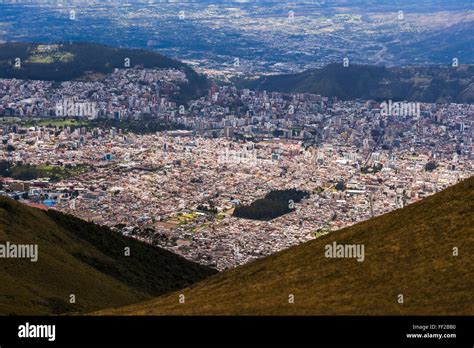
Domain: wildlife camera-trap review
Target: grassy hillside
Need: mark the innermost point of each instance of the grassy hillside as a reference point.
(84, 259)
(64, 62)
(408, 251)
(423, 84)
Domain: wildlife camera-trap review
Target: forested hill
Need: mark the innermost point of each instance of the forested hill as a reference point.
(68, 61)
(423, 84)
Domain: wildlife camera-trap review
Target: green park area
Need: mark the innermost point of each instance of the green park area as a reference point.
(48, 54)
(31, 172)
(56, 122)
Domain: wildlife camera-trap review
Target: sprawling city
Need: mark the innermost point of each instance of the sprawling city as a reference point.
(146, 146)
(151, 186)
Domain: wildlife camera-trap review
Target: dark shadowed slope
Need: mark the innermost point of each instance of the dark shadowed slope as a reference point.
(84, 259)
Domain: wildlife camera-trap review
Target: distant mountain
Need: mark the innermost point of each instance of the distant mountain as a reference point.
(84, 259)
(423, 84)
(409, 252)
(64, 62)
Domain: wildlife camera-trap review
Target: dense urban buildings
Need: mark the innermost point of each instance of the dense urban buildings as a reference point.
(178, 188)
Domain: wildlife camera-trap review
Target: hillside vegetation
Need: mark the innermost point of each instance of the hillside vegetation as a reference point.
(84, 259)
(408, 251)
(69, 61)
(422, 84)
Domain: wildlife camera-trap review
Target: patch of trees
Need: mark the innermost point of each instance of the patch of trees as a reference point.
(340, 186)
(5, 168)
(430, 166)
(274, 204)
(20, 172)
(27, 172)
(149, 127)
(137, 127)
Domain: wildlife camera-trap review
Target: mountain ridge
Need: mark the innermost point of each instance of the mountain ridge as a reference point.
(422, 84)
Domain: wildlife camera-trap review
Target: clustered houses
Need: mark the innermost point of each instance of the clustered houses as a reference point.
(123, 94)
(354, 161)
